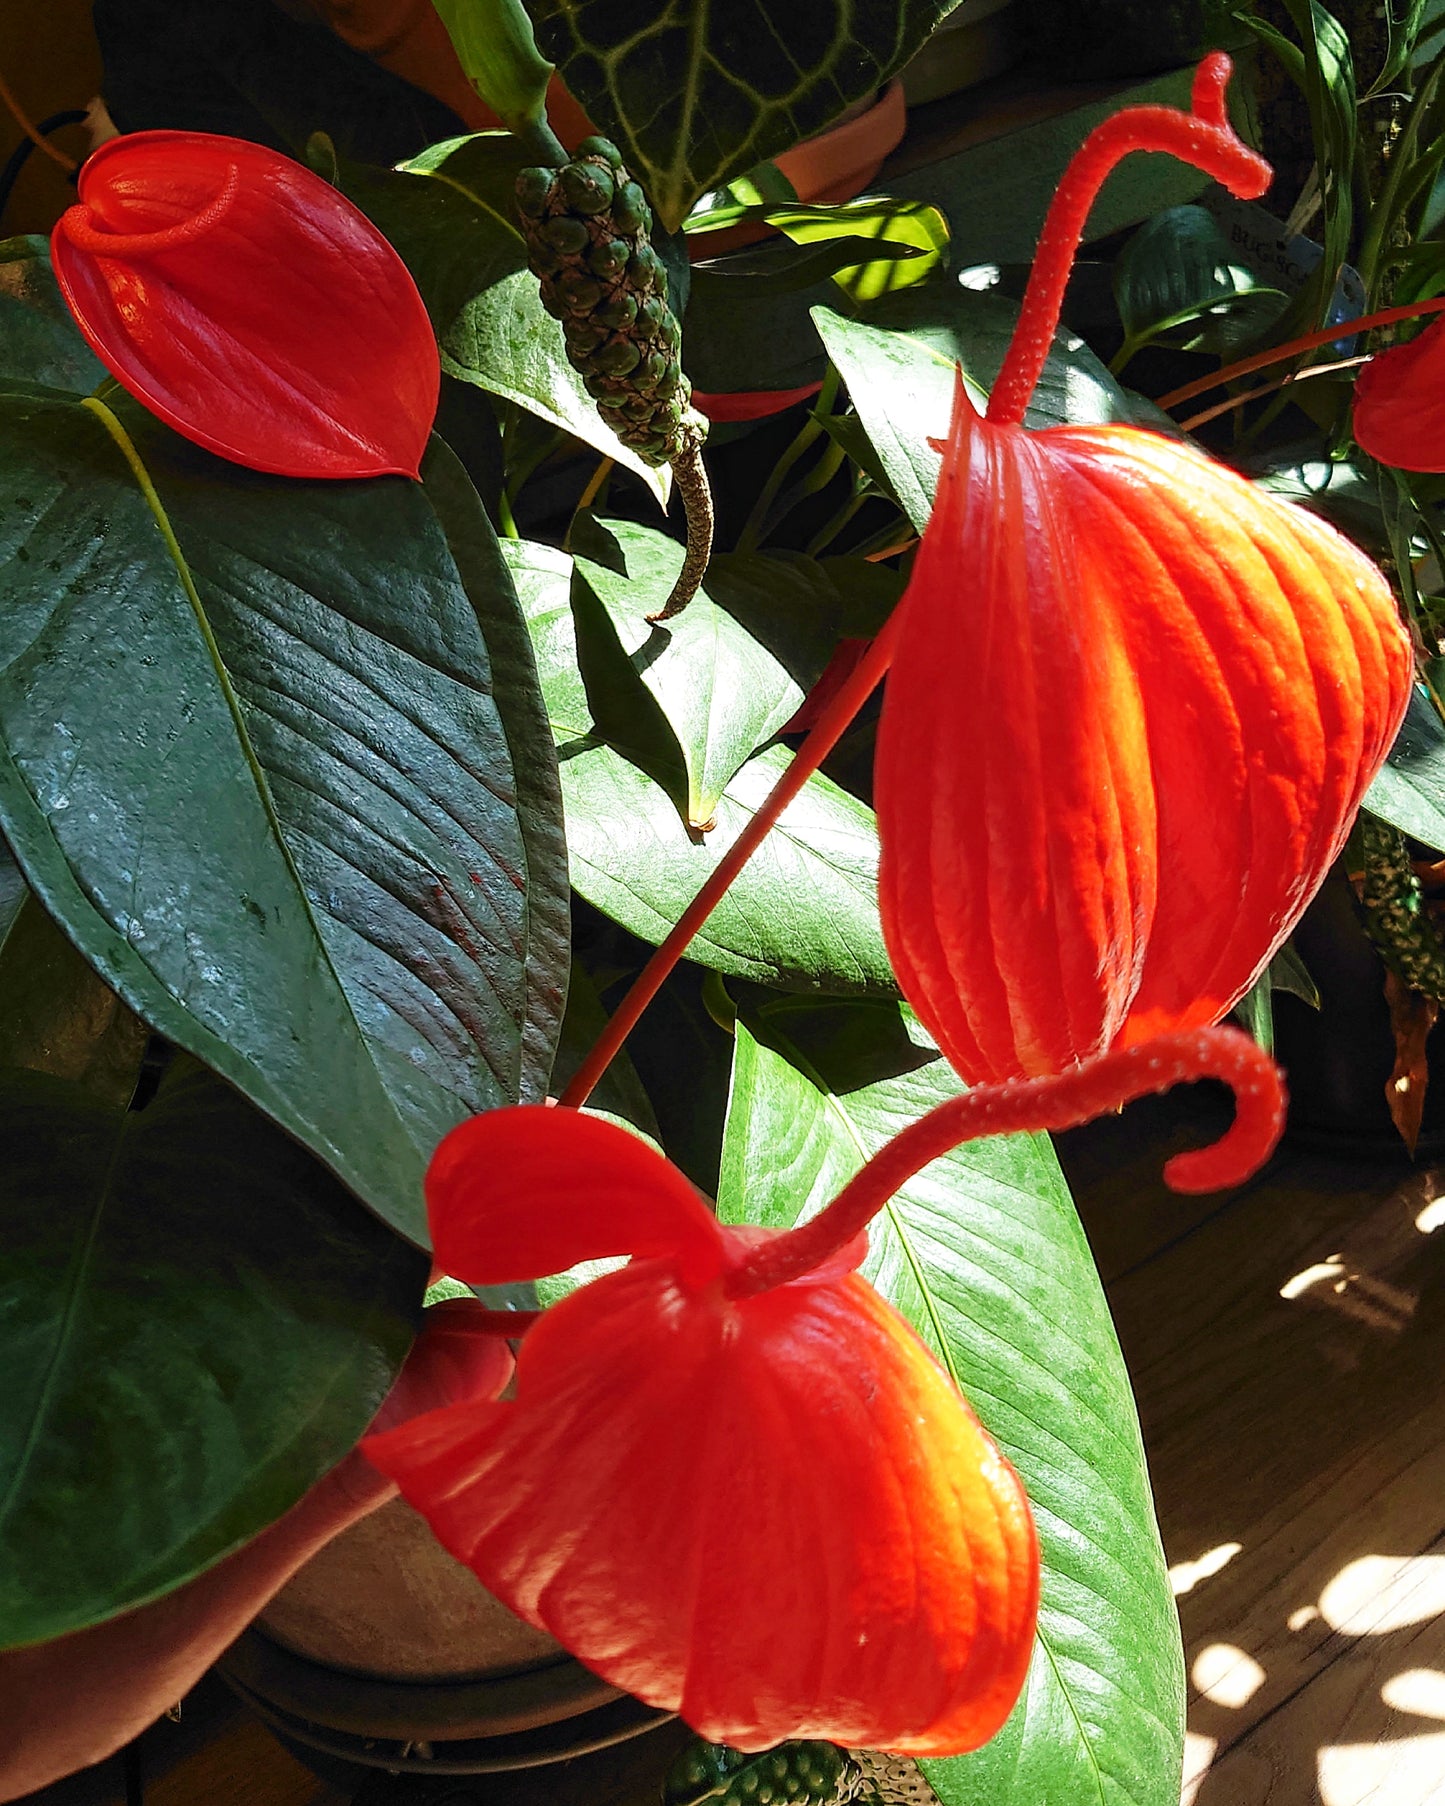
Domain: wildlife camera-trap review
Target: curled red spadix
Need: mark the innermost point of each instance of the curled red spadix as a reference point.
(1399, 414)
(249, 305)
(1133, 707)
(733, 1481)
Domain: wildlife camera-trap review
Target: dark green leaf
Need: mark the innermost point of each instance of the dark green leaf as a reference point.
(899, 364)
(1409, 791)
(985, 1256)
(196, 1322)
(56, 1016)
(38, 340)
(1176, 276)
(800, 607)
(1288, 972)
(256, 763)
(1255, 1012)
(803, 914)
(696, 95)
(721, 695)
(767, 273)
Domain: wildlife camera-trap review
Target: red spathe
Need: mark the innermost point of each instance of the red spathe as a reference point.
(250, 306)
(1134, 707)
(1399, 413)
(773, 1514)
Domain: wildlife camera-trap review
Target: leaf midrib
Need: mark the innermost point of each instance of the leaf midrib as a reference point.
(151, 497)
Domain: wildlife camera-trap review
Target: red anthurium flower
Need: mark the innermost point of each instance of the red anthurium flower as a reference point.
(773, 1513)
(1400, 403)
(250, 306)
(732, 1480)
(1132, 710)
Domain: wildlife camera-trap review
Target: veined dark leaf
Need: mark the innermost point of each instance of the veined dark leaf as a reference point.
(196, 1323)
(696, 95)
(985, 1256)
(257, 761)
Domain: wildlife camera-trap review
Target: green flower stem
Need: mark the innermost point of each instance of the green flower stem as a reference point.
(807, 435)
(1386, 207)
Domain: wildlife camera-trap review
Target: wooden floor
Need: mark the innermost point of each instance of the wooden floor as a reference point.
(1288, 1350)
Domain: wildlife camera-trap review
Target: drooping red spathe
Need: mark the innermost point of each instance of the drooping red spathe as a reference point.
(1132, 711)
(772, 1513)
(1399, 414)
(249, 305)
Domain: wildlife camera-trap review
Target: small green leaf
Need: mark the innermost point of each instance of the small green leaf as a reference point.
(720, 693)
(696, 95)
(804, 912)
(196, 1323)
(1409, 790)
(899, 362)
(1255, 1012)
(773, 271)
(984, 1254)
(890, 223)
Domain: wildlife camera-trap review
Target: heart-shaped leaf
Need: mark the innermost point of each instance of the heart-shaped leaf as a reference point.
(695, 95)
(722, 693)
(985, 1256)
(804, 912)
(196, 1323)
(899, 366)
(258, 762)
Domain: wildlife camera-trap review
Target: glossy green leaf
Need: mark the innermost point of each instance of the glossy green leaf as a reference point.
(804, 912)
(1409, 790)
(899, 365)
(984, 1254)
(696, 95)
(257, 761)
(890, 223)
(800, 607)
(721, 692)
(196, 1323)
(495, 47)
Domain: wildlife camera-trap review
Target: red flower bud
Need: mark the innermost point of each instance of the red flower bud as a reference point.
(250, 306)
(1133, 707)
(772, 1513)
(1400, 403)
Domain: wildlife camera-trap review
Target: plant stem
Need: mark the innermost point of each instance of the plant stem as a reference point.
(1382, 213)
(747, 540)
(1203, 137)
(1285, 382)
(690, 474)
(809, 756)
(1055, 1101)
(33, 133)
(1310, 341)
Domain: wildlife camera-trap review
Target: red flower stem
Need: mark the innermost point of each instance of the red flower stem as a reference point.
(1327, 335)
(1203, 137)
(85, 236)
(1057, 1101)
(1205, 415)
(831, 727)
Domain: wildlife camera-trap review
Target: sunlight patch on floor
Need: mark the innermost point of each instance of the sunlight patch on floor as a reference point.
(1226, 1676)
(1382, 1593)
(1184, 1576)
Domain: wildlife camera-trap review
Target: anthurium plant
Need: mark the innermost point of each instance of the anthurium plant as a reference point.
(453, 844)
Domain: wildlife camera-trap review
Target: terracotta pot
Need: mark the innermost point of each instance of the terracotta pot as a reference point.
(384, 1652)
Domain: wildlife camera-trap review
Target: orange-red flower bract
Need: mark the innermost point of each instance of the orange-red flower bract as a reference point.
(773, 1514)
(250, 306)
(1399, 413)
(1133, 708)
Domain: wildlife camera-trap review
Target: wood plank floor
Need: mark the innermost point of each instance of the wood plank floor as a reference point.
(1288, 1349)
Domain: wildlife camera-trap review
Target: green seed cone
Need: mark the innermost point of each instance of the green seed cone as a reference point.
(587, 227)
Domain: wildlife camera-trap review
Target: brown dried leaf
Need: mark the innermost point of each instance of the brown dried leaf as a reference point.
(1412, 1016)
